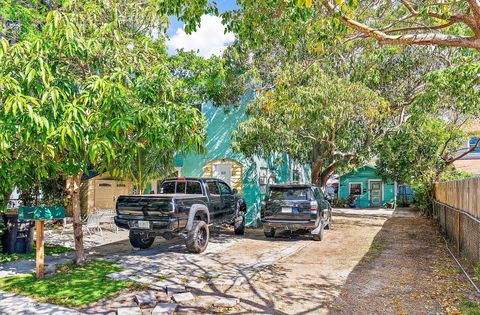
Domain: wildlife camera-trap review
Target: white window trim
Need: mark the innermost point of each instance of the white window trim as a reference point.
(361, 188)
(301, 176)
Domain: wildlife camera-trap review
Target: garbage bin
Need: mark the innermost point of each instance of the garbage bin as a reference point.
(18, 234)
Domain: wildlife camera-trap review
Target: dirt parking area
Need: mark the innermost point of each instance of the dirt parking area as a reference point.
(371, 262)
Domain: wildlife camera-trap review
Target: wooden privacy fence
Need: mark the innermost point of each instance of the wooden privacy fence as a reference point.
(460, 194)
(457, 211)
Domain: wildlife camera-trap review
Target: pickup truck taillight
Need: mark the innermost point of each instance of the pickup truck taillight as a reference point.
(263, 208)
(313, 207)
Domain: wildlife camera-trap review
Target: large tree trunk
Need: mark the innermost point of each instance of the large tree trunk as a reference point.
(74, 190)
(319, 176)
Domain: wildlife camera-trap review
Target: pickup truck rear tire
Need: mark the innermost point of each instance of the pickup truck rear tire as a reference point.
(139, 240)
(239, 225)
(197, 237)
(269, 234)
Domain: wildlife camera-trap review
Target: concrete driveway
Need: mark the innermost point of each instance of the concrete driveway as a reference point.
(371, 262)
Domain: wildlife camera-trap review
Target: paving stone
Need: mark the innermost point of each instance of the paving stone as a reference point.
(164, 309)
(146, 298)
(145, 280)
(159, 286)
(183, 297)
(129, 311)
(196, 285)
(175, 288)
(118, 276)
(226, 302)
(239, 281)
(50, 269)
(226, 282)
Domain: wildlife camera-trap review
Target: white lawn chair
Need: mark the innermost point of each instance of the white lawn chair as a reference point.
(107, 217)
(93, 223)
(67, 225)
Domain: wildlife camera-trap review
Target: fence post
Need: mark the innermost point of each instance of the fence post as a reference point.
(458, 233)
(445, 221)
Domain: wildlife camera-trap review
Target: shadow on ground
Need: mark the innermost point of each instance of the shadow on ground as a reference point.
(407, 270)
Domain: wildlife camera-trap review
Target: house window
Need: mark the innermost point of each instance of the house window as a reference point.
(355, 189)
(472, 143)
(296, 176)
(263, 176)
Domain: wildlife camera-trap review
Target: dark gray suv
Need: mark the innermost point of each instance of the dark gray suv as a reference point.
(296, 207)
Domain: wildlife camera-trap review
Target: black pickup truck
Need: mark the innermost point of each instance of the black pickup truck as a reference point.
(183, 206)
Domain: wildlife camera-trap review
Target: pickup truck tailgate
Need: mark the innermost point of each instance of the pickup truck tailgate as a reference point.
(145, 206)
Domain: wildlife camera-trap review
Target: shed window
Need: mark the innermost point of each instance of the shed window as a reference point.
(355, 189)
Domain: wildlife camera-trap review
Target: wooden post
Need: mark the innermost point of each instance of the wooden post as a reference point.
(458, 233)
(40, 259)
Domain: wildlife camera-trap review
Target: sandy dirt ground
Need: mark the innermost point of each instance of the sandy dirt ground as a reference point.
(371, 262)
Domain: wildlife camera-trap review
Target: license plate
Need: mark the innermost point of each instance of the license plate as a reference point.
(286, 210)
(143, 224)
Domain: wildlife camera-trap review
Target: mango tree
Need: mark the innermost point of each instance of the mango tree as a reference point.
(328, 122)
(92, 90)
(425, 148)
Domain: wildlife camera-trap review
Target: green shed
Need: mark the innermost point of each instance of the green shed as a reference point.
(367, 188)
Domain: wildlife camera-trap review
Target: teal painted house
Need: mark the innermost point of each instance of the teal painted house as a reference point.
(368, 188)
(250, 177)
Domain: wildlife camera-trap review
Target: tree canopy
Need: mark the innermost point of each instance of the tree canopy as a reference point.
(95, 89)
(426, 23)
(326, 121)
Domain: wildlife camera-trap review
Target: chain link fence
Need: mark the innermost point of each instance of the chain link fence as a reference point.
(460, 227)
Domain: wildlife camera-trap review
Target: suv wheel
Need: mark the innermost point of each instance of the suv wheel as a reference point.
(269, 234)
(197, 237)
(329, 225)
(140, 240)
(239, 225)
(319, 236)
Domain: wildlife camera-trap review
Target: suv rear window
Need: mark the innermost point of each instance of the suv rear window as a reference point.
(181, 187)
(284, 193)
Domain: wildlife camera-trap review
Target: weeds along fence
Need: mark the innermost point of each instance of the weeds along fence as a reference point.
(456, 209)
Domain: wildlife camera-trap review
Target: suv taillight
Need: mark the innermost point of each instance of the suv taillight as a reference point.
(313, 207)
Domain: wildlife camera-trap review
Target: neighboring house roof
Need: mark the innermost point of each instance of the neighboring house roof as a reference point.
(471, 165)
(357, 170)
(90, 174)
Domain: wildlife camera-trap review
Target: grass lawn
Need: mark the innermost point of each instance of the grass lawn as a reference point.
(70, 286)
(49, 250)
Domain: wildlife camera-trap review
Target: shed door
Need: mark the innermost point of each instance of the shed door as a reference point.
(104, 194)
(223, 171)
(121, 188)
(376, 193)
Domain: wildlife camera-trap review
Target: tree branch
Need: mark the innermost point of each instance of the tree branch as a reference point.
(473, 148)
(423, 39)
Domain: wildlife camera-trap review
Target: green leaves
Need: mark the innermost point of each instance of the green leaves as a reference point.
(326, 121)
(92, 89)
